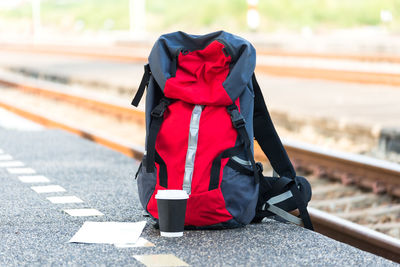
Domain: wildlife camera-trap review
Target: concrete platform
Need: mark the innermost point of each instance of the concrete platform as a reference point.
(35, 231)
(74, 69)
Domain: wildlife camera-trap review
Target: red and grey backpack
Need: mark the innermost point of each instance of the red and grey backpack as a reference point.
(204, 107)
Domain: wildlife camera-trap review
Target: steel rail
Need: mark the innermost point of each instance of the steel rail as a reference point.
(125, 54)
(47, 89)
(129, 150)
(324, 223)
(343, 56)
(379, 175)
(106, 53)
(119, 52)
(332, 75)
(356, 235)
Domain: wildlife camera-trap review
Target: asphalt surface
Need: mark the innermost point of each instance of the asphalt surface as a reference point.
(35, 232)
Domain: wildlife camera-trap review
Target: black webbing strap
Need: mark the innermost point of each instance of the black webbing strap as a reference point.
(239, 167)
(271, 145)
(216, 165)
(142, 86)
(281, 185)
(278, 186)
(267, 190)
(157, 118)
(305, 217)
(268, 139)
(239, 123)
(163, 177)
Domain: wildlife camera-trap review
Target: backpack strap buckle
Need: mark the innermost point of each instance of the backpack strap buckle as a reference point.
(260, 167)
(237, 119)
(159, 110)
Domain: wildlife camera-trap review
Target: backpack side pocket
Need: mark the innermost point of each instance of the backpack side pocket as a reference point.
(146, 183)
(240, 192)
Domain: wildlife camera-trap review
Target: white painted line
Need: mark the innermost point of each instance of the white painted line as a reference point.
(83, 212)
(21, 170)
(6, 157)
(9, 164)
(48, 189)
(160, 260)
(140, 243)
(33, 179)
(65, 199)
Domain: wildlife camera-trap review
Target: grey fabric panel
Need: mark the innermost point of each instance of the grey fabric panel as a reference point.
(243, 67)
(160, 59)
(240, 194)
(247, 101)
(146, 183)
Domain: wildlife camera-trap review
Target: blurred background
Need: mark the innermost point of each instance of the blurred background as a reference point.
(329, 70)
(126, 19)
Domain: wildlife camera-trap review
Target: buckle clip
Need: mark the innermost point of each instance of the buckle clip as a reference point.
(260, 167)
(147, 69)
(265, 206)
(159, 110)
(237, 119)
(147, 74)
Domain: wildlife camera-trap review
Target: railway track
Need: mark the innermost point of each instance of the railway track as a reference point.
(310, 69)
(378, 176)
(122, 51)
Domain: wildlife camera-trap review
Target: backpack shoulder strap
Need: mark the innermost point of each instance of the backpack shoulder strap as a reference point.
(267, 137)
(157, 118)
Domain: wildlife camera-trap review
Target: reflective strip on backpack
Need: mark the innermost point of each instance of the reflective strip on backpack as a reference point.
(280, 198)
(280, 212)
(241, 161)
(284, 214)
(192, 147)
